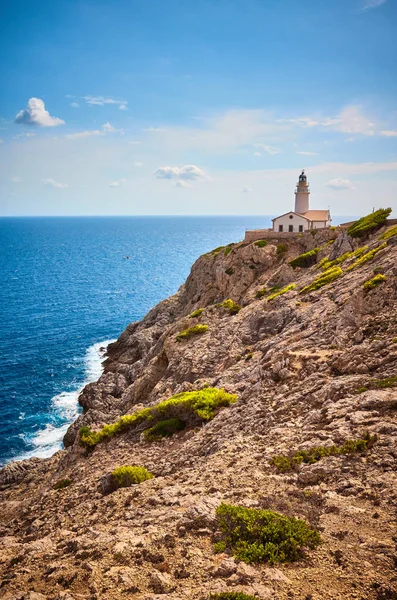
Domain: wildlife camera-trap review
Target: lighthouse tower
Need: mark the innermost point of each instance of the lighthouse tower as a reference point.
(302, 193)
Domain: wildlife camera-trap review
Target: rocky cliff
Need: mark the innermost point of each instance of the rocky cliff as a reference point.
(310, 352)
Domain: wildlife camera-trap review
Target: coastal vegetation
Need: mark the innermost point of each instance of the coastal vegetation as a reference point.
(289, 462)
(389, 233)
(260, 293)
(163, 429)
(128, 475)
(366, 257)
(326, 278)
(326, 264)
(281, 250)
(191, 331)
(376, 384)
(307, 259)
(196, 313)
(284, 290)
(256, 535)
(231, 306)
(370, 284)
(228, 249)
(369, 223)
(189, 407)
(62, 483)
(229, 271)
(260, 243)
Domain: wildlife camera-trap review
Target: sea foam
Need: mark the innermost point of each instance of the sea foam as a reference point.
(65, 407)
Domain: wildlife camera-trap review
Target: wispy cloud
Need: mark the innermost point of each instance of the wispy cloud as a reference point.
(75, 104)
(340, 184)
(117, 183)
(306, 153)
(27, 134)
(181, 175)
(368, 4)
(35, 113)
(54, 184)
(351, 119)
(82, 134)
(108, 128)
(246, 189)
(15, 179)
(389, 133)
(102, 100)
(268, 149)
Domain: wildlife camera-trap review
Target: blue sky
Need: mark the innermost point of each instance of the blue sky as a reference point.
(211, 107)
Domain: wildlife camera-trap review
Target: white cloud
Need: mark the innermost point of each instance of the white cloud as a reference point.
(36, 114)
(350, 120)
(257, 154)
(180, 183)
(368, 4)
(108, 128)
(268, 149)
(246, 189)
(24, 135)
(54, 184)
(389, 133)
(82, 134)
(134, 142)
(75, 104)
(16, 179)
(101, 101)
(306, 153)
(118, 183)
(181, 174)
(1, 141)
(138, 164)
(340, 184)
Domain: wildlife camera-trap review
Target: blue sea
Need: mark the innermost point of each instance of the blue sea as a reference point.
(66, 290)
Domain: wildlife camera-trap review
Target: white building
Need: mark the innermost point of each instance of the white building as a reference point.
(302, 219)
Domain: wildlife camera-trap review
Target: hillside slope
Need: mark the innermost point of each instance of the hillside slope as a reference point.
(310, 368)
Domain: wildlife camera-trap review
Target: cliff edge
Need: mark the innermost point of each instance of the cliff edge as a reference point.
(280, 360)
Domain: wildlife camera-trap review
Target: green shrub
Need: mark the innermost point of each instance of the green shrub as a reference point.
(260, 293)
(370, 284)
(216, 251)
(394, 340)
(305, 260)
(257, 535)
(191, 331)
(61, 484)
(261, 243)
(164, 429)
(231, 306)
(219, 547)
(375, 384)
(228, 249)
(326, 264)
(281, 250)
(190, 407)
(366, 257)
(324, 279)
(313, 232)
(126, 476)
(249, 356)
(289, 462)
(369, 223)
(229, 271)
(196, 313)
(231, 596)
(389, 233)
(284, 290)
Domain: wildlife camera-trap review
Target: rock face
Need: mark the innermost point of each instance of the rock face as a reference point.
(307, 370)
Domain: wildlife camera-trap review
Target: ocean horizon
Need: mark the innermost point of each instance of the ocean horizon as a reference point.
(70, 285)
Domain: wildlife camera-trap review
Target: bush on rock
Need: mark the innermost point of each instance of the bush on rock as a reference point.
(258, 535)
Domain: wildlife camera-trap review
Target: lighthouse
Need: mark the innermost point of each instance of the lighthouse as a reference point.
(302, 193)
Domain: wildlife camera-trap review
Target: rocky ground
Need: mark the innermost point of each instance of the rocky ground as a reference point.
(296, 364)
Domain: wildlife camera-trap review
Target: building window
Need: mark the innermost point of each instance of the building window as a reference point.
(300, 228)
(280, 227)
(290, 228)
